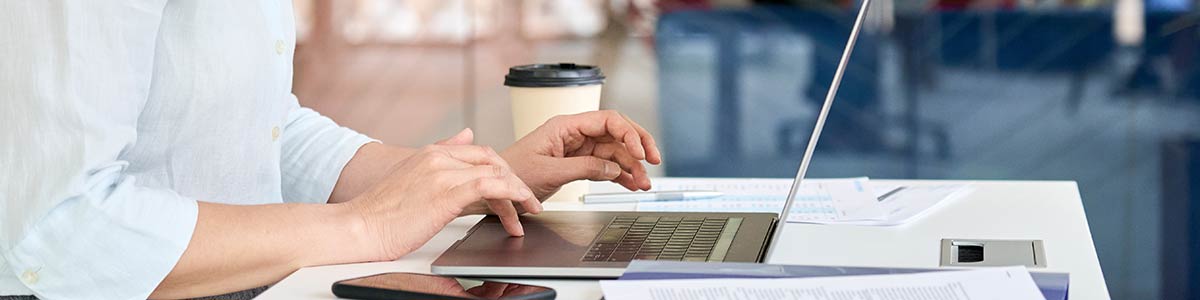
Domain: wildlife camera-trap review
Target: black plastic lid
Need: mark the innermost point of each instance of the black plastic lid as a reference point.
(553, 75)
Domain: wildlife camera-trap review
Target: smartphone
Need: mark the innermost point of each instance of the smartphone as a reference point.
(404, 286)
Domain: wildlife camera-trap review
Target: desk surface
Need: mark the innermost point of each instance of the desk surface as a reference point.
(1048, 210)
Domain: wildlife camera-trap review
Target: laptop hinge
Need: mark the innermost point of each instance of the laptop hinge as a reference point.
(762, 252)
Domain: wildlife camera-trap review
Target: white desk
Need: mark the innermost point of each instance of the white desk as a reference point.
(1048, 210)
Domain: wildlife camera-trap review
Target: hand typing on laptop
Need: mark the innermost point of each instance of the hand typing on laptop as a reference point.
(430, 188)
(600, 146)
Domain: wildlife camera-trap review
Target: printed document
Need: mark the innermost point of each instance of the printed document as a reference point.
(817, 201)
(828, 201)
(1008, 283)
(906, 203)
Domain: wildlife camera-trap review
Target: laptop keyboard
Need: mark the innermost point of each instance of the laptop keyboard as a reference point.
(678, 238)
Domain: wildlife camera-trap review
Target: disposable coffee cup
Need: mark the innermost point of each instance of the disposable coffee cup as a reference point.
(540, 92)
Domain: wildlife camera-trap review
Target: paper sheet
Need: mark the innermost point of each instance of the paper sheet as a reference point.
(843, 201)
(1053, 286)
(1009, 283)
(903, 204)
(818, 201)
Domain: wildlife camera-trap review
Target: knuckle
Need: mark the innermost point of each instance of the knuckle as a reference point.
(484, 186)
(498, 171)
(596, 164)
(441, 180)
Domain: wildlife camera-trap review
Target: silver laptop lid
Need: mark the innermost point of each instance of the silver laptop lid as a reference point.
(816, 134)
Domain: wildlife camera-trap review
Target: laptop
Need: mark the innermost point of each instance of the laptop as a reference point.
(590, 244)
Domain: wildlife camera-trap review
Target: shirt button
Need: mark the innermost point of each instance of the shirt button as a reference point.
(279, 47)
(30, 277)
(275, 134)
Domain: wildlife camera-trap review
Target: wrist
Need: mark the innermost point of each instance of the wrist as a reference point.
(358, 242)
(344, 237)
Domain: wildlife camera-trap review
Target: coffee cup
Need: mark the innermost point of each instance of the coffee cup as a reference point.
(541, 91)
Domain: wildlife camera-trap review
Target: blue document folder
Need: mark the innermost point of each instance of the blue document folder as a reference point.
(1053, 285)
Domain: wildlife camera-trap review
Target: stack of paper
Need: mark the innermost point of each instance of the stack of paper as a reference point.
(842, 201)
(1054, 286)
(1009, 283)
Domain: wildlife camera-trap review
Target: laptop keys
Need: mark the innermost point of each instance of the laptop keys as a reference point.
(611, 236)
(674, 238)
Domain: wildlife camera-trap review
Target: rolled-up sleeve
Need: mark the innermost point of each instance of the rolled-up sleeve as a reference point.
(74, 76)
(116, 241)
(313, 153)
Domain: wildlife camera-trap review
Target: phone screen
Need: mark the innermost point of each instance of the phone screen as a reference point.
(447, 286)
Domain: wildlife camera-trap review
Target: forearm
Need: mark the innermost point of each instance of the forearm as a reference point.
(239, 247)
(372, 162)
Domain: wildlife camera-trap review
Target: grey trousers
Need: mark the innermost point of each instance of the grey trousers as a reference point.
(242, 295)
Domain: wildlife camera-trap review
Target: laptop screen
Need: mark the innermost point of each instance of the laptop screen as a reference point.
(816, 134)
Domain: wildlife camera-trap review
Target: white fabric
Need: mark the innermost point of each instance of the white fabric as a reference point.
(117, 116)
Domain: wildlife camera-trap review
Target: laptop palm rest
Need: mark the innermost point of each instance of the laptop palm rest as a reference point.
(555, 244)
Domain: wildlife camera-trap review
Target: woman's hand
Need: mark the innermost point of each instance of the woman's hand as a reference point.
(432, 187)
(599, 145)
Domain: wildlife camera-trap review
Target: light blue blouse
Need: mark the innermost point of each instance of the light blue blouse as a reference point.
(117, 116)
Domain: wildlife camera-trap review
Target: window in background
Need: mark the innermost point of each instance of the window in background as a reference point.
(1038, 90)
(1084, 90)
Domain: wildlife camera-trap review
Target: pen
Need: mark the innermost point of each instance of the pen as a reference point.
(648, 196)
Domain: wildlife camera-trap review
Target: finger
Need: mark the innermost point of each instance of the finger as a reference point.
(508, 216)
(471, 154)
(587, 167)
(620, 155)
(609, 123)
(626, 180)
(464, 137)
(495, 190)
(472, 172)
(653, 155)
(585, 148)
(455, 177)
(530, 203)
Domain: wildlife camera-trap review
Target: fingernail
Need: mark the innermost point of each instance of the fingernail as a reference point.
(612, 170)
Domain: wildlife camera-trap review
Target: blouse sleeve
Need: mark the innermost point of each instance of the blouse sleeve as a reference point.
(314, 151)
(74, 77)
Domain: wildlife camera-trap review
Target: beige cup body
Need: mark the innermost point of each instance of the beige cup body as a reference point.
(533, 106)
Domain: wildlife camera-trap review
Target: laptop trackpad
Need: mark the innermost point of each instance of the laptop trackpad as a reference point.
(551, 240)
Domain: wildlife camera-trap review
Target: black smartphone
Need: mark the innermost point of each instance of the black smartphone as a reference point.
(405, 286)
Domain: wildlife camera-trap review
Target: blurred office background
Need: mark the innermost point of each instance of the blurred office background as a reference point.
(1103, 92)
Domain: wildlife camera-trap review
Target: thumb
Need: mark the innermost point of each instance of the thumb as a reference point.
(589, 167)
(464, 137)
